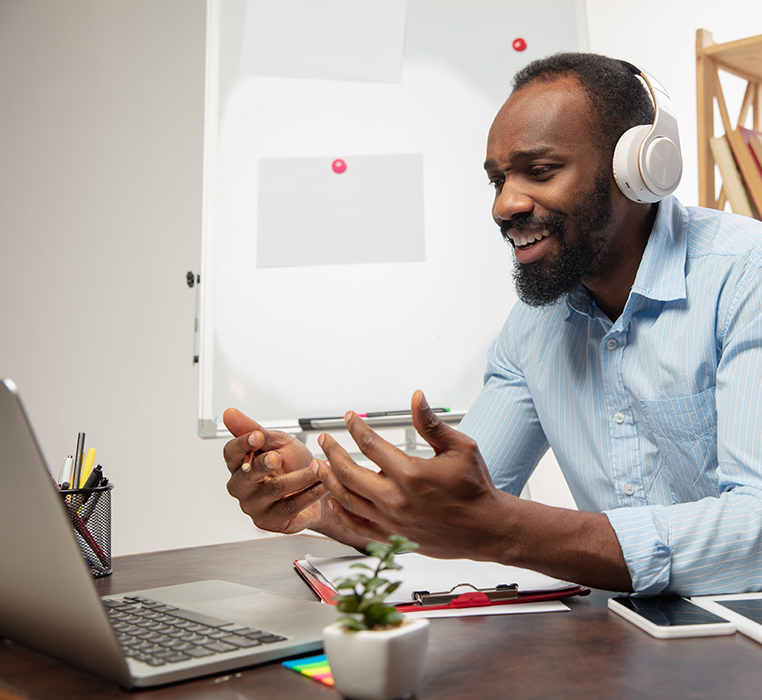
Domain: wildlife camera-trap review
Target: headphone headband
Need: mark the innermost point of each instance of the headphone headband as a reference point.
(647, 161)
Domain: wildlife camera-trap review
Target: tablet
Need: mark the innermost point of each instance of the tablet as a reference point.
(744, 609)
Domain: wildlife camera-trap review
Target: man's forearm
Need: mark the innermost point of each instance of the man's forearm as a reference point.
(571, 545)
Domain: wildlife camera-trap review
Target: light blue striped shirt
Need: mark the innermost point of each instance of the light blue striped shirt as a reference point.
(654, 419)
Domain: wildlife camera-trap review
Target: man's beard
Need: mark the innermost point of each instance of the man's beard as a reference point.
(542, 283)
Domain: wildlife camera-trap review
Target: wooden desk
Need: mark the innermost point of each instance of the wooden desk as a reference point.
(587, 653)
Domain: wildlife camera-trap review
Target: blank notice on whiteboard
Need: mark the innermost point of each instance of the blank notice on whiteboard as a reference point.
(340, 211)
(325, 39)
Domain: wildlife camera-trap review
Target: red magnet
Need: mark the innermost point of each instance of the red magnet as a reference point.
(519, 44)
(339, 166)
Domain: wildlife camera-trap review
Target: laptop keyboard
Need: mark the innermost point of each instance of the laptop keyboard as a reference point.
(159, 634)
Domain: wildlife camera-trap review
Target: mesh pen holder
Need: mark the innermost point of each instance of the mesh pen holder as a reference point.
(89, 512)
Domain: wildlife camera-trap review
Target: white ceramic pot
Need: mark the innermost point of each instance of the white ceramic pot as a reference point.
(377, 664)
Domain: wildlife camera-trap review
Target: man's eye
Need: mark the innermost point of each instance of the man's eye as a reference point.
(541, 170)
(496, 184)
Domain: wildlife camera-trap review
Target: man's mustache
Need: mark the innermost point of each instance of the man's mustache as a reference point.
(521, 223)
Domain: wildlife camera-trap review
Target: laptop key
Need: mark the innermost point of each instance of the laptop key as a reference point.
(200, 618)
(219, 646)
(198, 652)
(242, 642)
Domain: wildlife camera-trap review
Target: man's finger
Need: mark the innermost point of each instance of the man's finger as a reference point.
(246, 485)
(235, 451)
(382, 453)
(349, 483)
(430, 426)
(367, 529)
(239, 423)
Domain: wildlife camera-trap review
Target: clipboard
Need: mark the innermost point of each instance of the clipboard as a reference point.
(504, 594)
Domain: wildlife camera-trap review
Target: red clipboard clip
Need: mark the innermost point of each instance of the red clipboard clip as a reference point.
(476, 597)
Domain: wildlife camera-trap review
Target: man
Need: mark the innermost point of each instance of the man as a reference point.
(636, 354)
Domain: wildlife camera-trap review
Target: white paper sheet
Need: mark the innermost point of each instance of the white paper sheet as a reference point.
(340, 210)
(512, 609)
(325, 39)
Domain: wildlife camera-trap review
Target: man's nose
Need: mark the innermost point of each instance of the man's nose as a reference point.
(511, 203)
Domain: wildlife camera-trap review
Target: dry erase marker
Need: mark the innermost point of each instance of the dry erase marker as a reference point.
(406, 412)
(65, 476)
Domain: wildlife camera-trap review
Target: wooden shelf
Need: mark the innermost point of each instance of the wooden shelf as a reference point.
(742, 58)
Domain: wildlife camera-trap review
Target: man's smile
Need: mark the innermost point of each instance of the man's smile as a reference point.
(522, 238)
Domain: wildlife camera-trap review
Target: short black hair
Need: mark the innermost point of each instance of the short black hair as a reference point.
(617, 96)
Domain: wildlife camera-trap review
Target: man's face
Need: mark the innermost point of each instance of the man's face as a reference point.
(552, 189)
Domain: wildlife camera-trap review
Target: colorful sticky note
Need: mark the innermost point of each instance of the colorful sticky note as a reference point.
(315, 667)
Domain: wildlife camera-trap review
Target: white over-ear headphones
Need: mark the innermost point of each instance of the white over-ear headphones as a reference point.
(647, 160)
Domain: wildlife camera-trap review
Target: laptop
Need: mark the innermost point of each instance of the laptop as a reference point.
(159, 635)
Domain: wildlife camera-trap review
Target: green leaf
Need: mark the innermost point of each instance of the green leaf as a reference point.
(376, 549)
(349, 604)
(392, 587)
(352, 623)
(361, 580)
(365, 606)
(375, 583)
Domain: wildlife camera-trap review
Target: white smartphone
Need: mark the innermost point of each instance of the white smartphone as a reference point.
(670, 616)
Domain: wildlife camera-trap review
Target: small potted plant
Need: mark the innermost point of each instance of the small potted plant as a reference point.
(374, 652)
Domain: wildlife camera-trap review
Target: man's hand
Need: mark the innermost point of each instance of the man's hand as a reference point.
(447, 504)
(270, 476)
(450, 507)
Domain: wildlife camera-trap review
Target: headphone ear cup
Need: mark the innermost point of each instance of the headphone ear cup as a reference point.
(627, 165)
(662, 165)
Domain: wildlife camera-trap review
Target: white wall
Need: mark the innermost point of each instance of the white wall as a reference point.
(100, 185)
(101, 122)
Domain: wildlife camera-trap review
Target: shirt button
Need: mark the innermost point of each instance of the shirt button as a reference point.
(629, 489)
(619, 417)
(611, 344)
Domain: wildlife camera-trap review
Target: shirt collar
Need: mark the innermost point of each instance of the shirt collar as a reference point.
(661, 273)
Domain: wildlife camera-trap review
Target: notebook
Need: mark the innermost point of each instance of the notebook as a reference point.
(50, 603)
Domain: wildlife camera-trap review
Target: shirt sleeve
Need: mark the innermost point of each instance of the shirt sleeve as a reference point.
(713, 545)
(503, 420)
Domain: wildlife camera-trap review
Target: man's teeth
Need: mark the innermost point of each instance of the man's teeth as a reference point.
(531, 238)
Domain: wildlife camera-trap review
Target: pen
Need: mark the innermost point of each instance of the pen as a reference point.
(78, 455)
(90, 500)
(94, 478)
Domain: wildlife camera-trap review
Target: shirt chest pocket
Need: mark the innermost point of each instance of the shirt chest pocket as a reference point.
(684, 432)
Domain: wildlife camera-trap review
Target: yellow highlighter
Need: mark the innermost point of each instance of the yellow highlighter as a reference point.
(87, 467)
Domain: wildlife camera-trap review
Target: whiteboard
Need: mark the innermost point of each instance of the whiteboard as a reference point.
(349, 256)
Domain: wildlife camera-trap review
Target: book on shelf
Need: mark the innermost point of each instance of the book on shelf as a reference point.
(748, 166)
(732, 182)
(753, 140)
